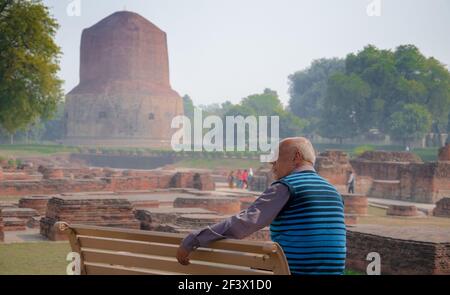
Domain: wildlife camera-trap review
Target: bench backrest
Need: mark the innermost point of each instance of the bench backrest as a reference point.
(107, 250)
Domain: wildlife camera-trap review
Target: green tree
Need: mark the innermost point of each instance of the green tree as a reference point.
(344, 114)
(399, 77)
(269, 104)
(263, 104)
(29, 57)
(188, 106)
(410, 123)
(308, 87)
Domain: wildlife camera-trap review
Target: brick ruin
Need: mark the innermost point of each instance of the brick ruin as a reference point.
(354, 206)
(124, 96)
(334, 166)
(261, 180)
(389, 175)
(158, 219)
(89, 210)
(442, 208)
(16, 219)
(402, 210)
(444, 153)
(405, 250)
(174, 208)
(38, 203)
(56, 180)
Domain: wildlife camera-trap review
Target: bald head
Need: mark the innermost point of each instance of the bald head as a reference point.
(293, 152)
(302, 145)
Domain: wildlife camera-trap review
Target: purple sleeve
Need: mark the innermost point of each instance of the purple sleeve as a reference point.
(259, 215)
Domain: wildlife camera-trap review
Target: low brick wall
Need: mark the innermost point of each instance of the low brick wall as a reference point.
(136, 181)
(401, 210)
(38, 203)
(91, 210)
(442, 208)
(416, 254)
(355, 204)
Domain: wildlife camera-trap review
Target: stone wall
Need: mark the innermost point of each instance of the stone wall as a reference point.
(261, 179)
(145, 180)
(399, 255)
(384, 156)
(333, 166)
(415, 182)
(38, 203)
(402, 210)
(89, 210)
(125, 161)
(154, 218)
(442, 208)
(201, 181)
(24, 214)
(355, 204)
(444, 153)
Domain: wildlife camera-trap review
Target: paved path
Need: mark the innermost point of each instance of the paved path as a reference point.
(28, 235)
(387, 202)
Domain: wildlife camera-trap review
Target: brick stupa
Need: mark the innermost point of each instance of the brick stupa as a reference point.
(124, 96)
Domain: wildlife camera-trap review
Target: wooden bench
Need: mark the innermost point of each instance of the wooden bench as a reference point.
(113, 251)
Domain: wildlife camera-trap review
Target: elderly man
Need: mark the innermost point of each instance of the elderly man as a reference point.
(304, 211)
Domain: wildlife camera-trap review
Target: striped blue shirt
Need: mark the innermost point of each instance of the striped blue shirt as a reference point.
(310, 227)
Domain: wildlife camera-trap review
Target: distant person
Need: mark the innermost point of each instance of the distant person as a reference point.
(239, 178)
(231, 179)
(245, 179)
(305, 213)
(351, 183)
(250, 176)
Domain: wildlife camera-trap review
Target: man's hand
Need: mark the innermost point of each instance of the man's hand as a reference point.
(183, 256)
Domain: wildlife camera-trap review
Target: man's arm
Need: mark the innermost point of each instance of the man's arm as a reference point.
(260, 214)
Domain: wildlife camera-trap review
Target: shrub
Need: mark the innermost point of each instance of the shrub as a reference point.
(359, 150)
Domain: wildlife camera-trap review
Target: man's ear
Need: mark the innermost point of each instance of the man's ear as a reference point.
(298, 156)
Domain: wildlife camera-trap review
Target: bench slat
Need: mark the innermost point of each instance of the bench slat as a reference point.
(165, 264)
(170, 238)
(259, 261)
(104, 269)
(106, 250)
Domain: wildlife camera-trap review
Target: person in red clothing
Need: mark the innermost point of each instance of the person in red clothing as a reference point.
(245, 179)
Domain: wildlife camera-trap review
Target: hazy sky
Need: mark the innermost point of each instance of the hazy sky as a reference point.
(227, 49)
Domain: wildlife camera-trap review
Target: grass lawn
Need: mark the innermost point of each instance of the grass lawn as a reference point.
(214, 163)
(10, 198)
(40, 258)
(426, 154)
(27, 150)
